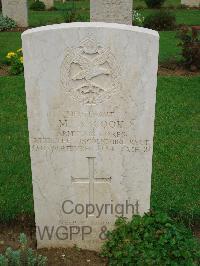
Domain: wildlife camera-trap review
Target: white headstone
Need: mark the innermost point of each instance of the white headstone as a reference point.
(91, 93)
(191, 3)
(114, 11)
(16, 10)
(48, 3)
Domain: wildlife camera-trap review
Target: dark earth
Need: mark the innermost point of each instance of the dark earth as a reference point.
(9, 235)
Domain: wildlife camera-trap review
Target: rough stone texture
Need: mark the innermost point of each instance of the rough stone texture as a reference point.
(116, 11)
(191, 3)
(16, 10)
(91, 91)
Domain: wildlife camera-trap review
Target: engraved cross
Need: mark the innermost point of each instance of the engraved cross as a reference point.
(91, 180)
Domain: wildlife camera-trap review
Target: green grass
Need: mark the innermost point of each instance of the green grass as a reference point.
(183, 16)
(136, 4)
(39, 18)
(42, 18)
(168, 3)
(15, 174)
(188, 17)
(175, 181)
(9, 41)
(86, 4)
(169, 49)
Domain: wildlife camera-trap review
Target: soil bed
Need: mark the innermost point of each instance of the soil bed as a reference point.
(9, 234)
(16, 29)
(174, 69)
(4, 70)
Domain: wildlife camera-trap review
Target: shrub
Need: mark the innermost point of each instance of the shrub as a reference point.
(22, 256)
(15, 60)
(190, 44)
(70, 15)
(154, 3)
(138, 19)
(6, 23)
(82, 17)
(160, 20)
(37, 6)
(154, 239)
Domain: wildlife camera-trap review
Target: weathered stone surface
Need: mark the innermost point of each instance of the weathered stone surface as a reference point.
(91, 91)
(191, 3)
(114, 11)
(48, 3)
(16, 10)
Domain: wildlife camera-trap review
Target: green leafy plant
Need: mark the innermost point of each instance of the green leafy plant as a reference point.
(15, 61)
(37, 6)
(154, 239)
(22, 256)
(154, 3)
(160, 20)
(190, 47)
(82, 17)
(6, 23)
(69, 15)
(138, 19)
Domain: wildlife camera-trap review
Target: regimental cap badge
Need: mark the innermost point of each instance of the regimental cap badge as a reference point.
(90, 73)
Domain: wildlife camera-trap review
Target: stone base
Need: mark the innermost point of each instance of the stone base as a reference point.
(191, 3)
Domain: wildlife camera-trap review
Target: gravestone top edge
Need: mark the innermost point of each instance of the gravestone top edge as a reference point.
(92, 25)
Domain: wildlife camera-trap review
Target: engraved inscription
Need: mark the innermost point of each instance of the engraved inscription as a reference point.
(90, 73)
(92, 180)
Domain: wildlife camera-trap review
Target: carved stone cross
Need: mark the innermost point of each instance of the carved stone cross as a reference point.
(91, 180)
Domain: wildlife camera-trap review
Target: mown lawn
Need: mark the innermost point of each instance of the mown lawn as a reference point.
(9, 41)
(176, 160)
(175, 180)
(15, 173)
(168, 45)
(183, 16)
(168, 3)
(39, 18)
(86, 4)
(169, 49)
(43, 18)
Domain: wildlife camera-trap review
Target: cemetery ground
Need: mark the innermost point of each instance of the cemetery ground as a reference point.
(175, 177)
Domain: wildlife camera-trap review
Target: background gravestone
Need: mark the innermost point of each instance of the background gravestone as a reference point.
(91, 93)
(16, 10)
(191, 3)
(117, 11)
(48, 3)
